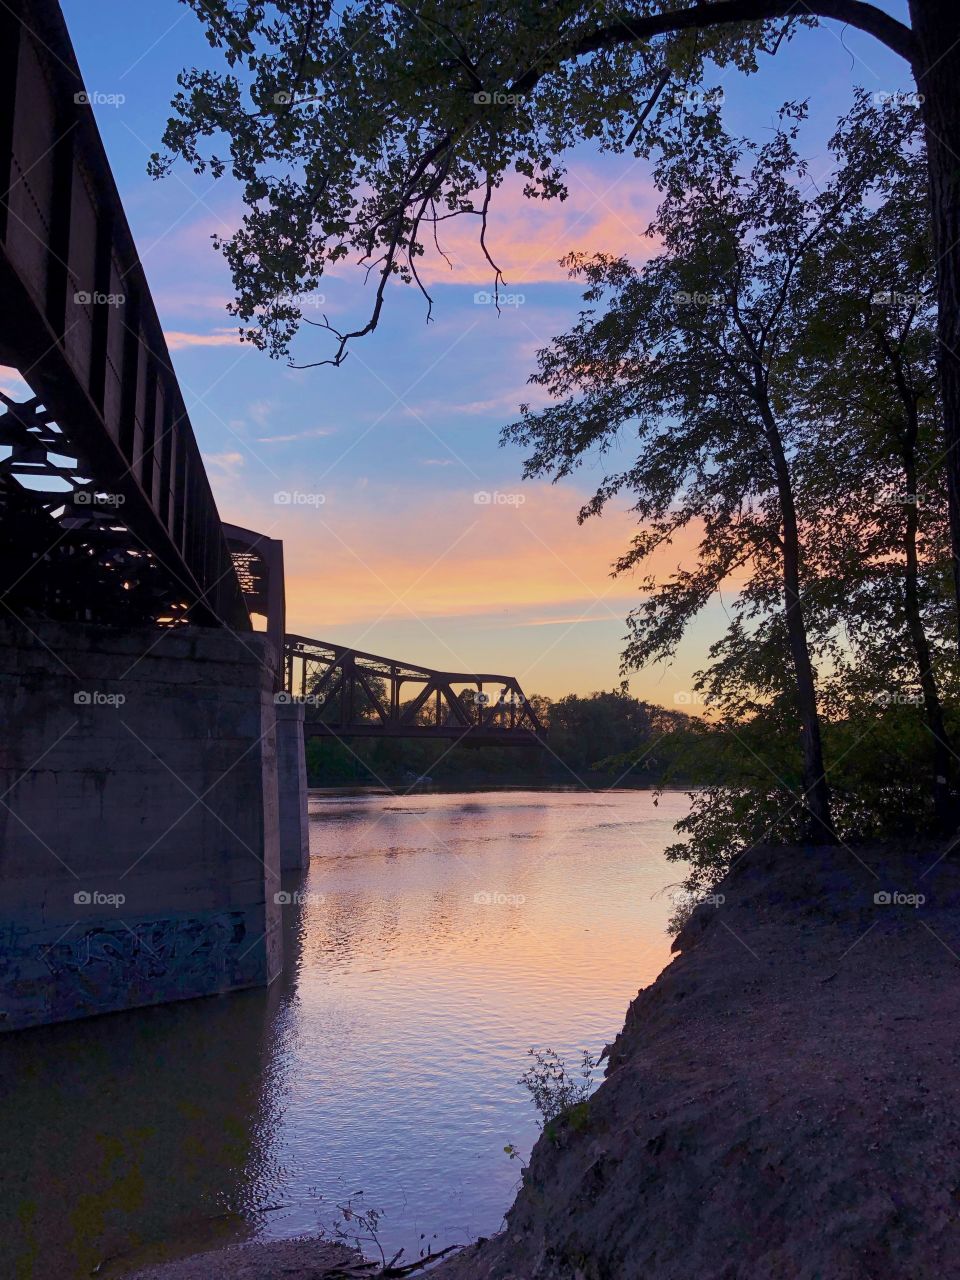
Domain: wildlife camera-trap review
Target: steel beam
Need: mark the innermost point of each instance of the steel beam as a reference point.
(78, 323)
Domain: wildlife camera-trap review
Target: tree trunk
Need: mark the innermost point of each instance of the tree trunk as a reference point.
(943, 803)
(943, 770)
(816, 792)
(936, 70)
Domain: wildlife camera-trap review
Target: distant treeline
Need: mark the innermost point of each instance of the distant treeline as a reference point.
(602, 739)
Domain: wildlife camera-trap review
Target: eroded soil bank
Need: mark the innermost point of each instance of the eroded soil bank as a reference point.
(783, 1102)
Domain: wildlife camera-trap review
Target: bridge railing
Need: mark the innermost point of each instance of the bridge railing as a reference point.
(349, 693)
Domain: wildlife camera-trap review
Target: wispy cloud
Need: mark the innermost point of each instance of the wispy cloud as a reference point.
(177, 339)
(526, 562)
(226, 463)
(314, 434)
(505, 405)
(261, 411)
(574, 621)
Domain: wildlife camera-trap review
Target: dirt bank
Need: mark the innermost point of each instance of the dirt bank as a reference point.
(783, 1102)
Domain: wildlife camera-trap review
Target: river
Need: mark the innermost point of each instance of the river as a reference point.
(435, 938)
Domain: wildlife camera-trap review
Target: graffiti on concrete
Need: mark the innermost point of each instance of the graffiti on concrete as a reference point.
(97, 966)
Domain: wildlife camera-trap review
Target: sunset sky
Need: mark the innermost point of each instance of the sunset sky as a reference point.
(399, 558)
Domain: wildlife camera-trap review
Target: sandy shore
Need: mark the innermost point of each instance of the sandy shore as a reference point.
(302, 1259)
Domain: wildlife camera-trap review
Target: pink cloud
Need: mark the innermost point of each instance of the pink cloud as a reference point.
(526, 237)
(12, 385)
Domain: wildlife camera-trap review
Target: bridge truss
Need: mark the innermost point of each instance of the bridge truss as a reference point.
(348, 693)
(106, 512)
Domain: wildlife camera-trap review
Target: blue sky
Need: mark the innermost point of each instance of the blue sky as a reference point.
(398, 557)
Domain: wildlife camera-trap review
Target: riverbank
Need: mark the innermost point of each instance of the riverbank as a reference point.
(784, 1100)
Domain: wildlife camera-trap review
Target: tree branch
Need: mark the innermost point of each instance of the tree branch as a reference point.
(630, 28)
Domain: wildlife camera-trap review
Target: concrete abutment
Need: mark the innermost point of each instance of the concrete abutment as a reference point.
(149, 796)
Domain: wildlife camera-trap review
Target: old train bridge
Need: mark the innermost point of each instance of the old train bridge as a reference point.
(152, 768)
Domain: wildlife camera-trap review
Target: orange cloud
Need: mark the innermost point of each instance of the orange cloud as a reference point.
(354, 557)
(438, 579)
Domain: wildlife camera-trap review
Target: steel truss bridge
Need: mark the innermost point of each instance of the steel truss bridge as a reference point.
(345, 691)
(106, 511)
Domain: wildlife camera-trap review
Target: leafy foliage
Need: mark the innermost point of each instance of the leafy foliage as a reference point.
(767, 381)
(357, 132)
(555, 1091)
(774, 369)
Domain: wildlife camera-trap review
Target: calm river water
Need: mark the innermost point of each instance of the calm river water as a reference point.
(437, 938)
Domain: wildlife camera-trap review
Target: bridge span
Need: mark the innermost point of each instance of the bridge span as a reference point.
(152, 768)
(348, 693)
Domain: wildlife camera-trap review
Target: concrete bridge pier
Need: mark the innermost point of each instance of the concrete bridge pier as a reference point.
(139, 817)
(292, 785)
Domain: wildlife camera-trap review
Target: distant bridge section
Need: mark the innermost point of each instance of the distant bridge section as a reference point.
(348, 693)
(101, 478)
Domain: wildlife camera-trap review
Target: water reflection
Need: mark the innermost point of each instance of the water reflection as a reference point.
(115, 1130)
(434, 939)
